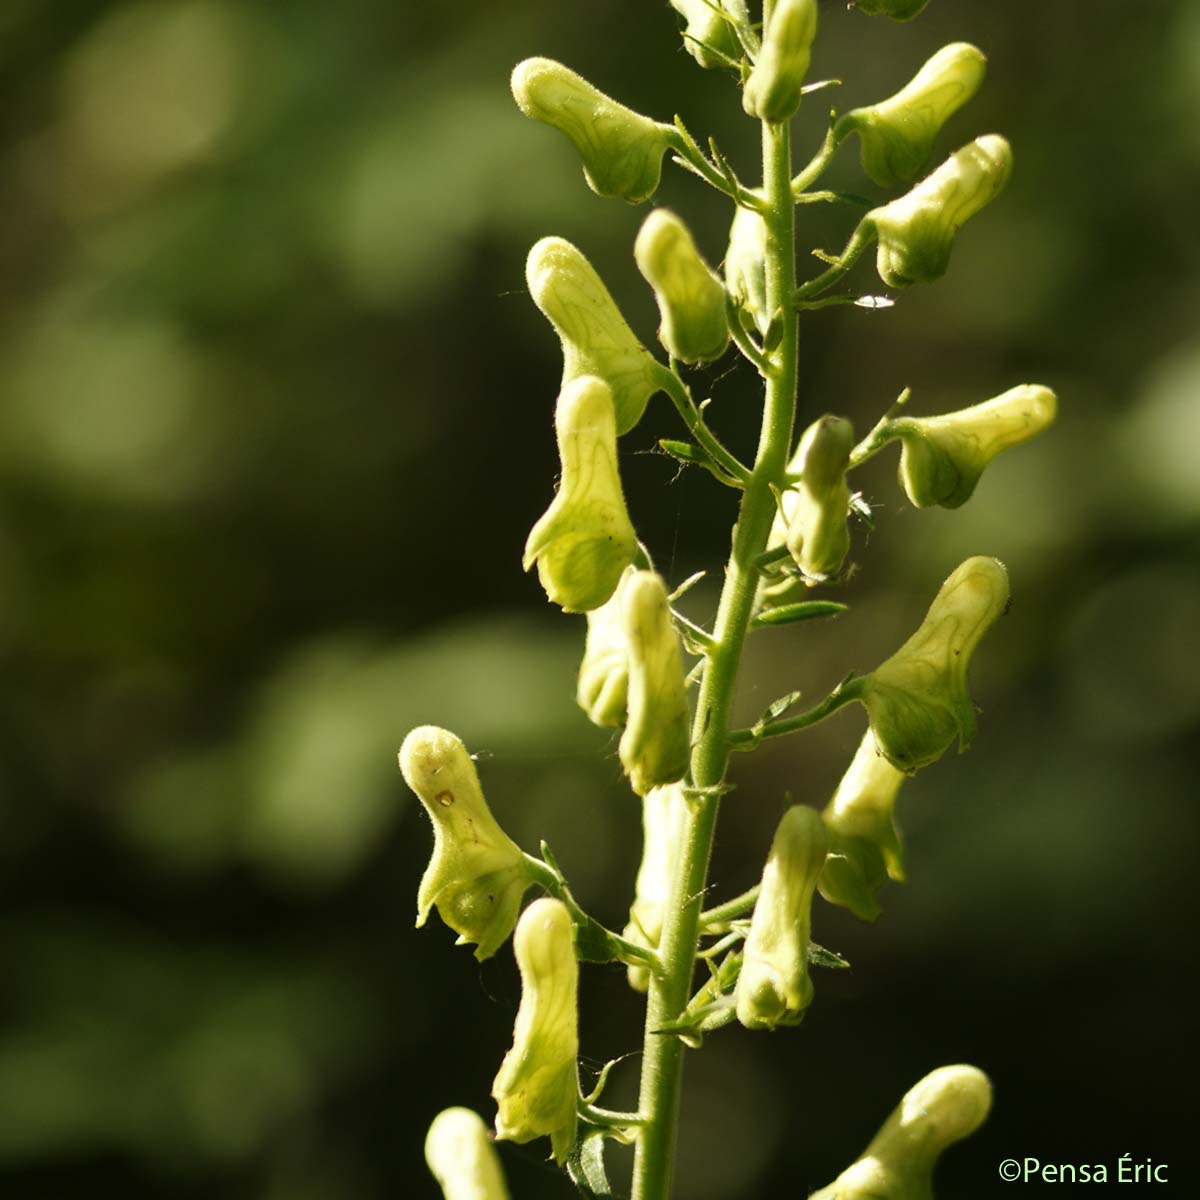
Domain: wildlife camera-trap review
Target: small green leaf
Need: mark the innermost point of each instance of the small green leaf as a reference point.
(685, 452)
(774, 334)
(686, 586)
(551, 863)
(592, 943)
(862, 509)
(585, 1166)
(778, 707)
(805, 610)
(770, 558)
(820, 957)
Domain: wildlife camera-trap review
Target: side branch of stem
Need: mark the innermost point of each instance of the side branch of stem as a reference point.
(698, 428)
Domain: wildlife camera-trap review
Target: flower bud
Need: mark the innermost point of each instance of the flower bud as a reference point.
(708, 37)
(943, 457)
(603, 687)
(746, 265)
(477, 874)
(595, 338)
(898, 133)
(898, 10)
(947, 1105)
(864, 847)
(916, 231)
(622, 151)
(460, 1153)
(654, 748)
(664, 815)
(817, 509)
(772, 93)
(584, 541)
(773, 987)
(917, 701)
(691, 300)
(537, 1087)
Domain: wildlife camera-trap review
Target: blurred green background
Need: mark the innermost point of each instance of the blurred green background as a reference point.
(275, 417)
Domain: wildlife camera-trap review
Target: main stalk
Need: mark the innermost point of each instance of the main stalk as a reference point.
(662, 1063)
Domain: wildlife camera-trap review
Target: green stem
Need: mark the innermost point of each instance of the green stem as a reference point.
(883, 432)
(589, 931)
(843, 694)
(716, 918)
(860, 239)
(670, 991)
(691, 157)
(742, 340)
(686, 407)
(816, 168)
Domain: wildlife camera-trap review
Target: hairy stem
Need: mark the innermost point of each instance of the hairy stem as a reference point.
(662, 1066)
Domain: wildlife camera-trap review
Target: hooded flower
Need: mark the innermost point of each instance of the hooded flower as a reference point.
(897, 134)
(864, 847)
(917, 701)
(477, 875)
(947, 1105)
(773, 987)
(462, 1158)
(537, 1087)
(817, 510)
(746, 265)
(773, 91)
(708, 37)
(655, 746)
(664, 815)
(691, 300)
(943, 457)
(595, 338)
(916, 231)
(622, 151)
(603, 687)
(584, 540)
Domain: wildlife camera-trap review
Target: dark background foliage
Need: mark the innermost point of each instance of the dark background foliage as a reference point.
(275, 416)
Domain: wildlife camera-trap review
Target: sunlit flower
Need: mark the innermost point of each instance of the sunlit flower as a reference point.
(477, 875)
(773, 987)
(537, 1087)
